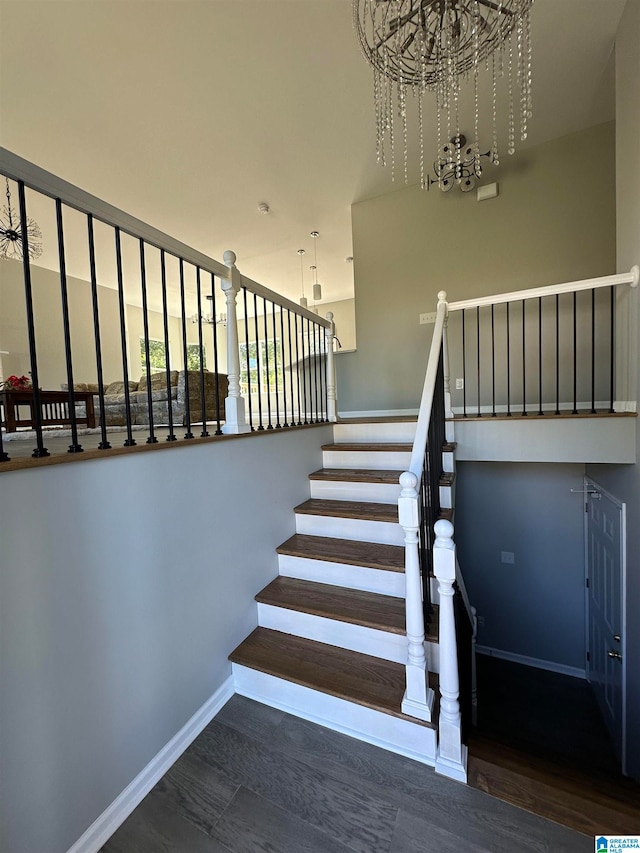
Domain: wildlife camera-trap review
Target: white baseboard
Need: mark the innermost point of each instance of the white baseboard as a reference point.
(381, 413)
(114, 815)
(576, 672)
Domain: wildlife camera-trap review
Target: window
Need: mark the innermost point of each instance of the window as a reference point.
(193, 357)
(257, 366)
(157, 356)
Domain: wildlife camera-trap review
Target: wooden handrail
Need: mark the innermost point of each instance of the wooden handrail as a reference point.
(631, 278)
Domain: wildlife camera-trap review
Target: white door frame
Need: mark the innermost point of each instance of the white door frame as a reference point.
(590, 483)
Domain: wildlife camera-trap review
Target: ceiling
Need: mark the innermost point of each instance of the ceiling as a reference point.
(189, 113)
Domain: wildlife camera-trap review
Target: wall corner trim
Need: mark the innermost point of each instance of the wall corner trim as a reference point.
(115, 814)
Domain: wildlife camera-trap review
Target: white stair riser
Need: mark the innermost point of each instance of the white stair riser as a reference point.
(342, 490)
(448, 461)
(344, 635)
(340, 574)
(384, 730)
(446, 497)
(449, 431)
(377, 459)
(357, 529)
(395, 432)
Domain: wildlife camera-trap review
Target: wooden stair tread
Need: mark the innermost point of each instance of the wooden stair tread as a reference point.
(447, 478)
(347, 551)
(396, 419)
(377, 446)
(368, 609)
(349, 509)
(356, 475)
(547, 799)
(614, 792)
(363, 679)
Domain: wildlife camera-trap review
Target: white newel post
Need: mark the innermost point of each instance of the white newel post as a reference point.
(235, 421)
(451, 759)
(330, 334)
(418, 697)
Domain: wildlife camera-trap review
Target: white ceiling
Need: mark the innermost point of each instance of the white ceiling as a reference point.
(188, 113)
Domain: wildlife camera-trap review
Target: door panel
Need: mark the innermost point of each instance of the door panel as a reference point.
(604, 555)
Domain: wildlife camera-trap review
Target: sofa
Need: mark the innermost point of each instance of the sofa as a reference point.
(115, 398)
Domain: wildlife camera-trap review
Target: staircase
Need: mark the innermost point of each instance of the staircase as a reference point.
(331, 644)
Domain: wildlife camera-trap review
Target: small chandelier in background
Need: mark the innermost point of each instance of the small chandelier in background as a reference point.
(420, 46)
(303, 299)
(11, 236)
(210, 318)
(458, 165)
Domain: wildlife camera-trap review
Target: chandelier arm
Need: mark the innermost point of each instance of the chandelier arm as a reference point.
(497, 7)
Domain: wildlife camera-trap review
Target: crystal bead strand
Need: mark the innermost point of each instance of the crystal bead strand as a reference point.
(495, 156)
(421, 135)
(512, 133)
(527, 40)
(521, 80)
(402, 94)
(476, 62)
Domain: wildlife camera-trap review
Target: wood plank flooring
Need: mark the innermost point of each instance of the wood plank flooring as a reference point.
(541, 744)
(368, 554)
(259, 780)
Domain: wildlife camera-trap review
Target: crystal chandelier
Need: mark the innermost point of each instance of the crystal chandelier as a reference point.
(420, 46)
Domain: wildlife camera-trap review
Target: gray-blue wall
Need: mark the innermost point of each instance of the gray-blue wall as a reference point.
(124, 584)
(535, 607)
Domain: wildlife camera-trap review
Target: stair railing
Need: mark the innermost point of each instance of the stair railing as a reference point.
(547, 350)
(432, 539)
(134, 300)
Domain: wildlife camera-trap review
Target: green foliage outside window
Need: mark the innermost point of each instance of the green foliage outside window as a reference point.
(256, 368)
(157, 355)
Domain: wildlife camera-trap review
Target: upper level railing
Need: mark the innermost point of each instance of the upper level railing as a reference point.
(539, 351)
(125, 331)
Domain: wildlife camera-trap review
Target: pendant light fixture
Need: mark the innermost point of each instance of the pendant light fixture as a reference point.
(303, 298)
(417, 47)
(317, 289)
(12, 238)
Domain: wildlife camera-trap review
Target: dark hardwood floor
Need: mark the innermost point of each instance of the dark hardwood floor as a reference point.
(258, 779)
(541, 744)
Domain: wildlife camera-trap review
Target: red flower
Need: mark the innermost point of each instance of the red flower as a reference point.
(17, 383)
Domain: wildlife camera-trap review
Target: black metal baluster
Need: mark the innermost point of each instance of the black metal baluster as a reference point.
(464, 364)
(266, 356)
(4, 456)
(258, 360)
(323, 374)
(165, 321)
(293, 419)
(74, 447)
(317, 371)
(524, 361)
(246, 344)
(104, 444)
(275, 368)
(478, 355)
(298, 371)
(314, 393)
(575, 357)
(283, 359)
(145, 326)
(185, 355)
(593, 351)
(540, 355)
(304, 370)
(557, 354)
(129, 441)
(40, 450)
(508, 362)
(493, 363)
(612, 351)
(214, 327)
(203, 394)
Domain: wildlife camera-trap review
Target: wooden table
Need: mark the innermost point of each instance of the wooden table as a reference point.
(54, 408)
